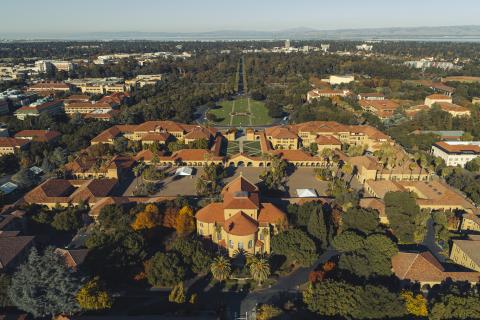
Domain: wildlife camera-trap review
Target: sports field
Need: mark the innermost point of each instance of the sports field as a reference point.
(241, 112)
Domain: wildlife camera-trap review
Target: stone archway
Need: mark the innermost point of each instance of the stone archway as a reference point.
(240, 164)
(249, 164)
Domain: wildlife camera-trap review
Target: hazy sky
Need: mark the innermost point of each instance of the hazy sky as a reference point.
(66, 16)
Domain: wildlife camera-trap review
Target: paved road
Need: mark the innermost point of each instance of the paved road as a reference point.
(430, 242)
(290, 283)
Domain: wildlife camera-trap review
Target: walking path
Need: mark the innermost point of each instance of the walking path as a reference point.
(231, 113)
(240, 144)
(430, 242)
(290, 283)
(250, 111)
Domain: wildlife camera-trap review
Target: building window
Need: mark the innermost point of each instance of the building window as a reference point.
(240, 245)
(261, 235)
(250, 244)
(230, 243)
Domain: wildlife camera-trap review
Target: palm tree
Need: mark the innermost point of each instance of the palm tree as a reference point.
(138, 169)
(423, 164)
(347, 169)
(412, 167)
(259, 269)
(327, 155)
(221, 268)
(218, 230)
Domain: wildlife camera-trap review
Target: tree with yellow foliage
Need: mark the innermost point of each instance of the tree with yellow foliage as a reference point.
(92, 296)
(185, 222)
(416, 305)
(177, 294)
(148, 218)
(267, 312)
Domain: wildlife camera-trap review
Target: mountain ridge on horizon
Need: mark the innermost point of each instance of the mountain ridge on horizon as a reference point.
(448, 33)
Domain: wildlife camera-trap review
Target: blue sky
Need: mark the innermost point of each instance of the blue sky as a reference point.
(64, 16)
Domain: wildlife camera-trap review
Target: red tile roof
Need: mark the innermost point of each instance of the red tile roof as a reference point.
(48, 86)
(269, 213)
(211, 213)
(12, 142)
(240, 224)
(88, 105)
(73, 257)
(11, 247)
(327, 140)
(42, 106)
(458, 148)
(280, 133)
(93, 189)
(199, 133)
(161, 136)
(437, 96)
(113, 132)
(38, 135)
(424, 267)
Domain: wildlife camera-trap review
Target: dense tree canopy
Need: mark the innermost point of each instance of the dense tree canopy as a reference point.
(406, 219)
(296, 246)
(165, 269)
(44, 285)
(338, 298)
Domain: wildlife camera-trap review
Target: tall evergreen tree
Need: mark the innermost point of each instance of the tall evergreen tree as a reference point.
(44, 285)
(317, 228)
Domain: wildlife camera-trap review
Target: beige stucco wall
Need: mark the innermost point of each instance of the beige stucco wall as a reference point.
(463, 259)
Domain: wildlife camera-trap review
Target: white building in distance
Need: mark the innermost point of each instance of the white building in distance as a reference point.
(456, 153)
(339, 79)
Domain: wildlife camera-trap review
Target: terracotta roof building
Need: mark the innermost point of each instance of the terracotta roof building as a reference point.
(432, 195)
(467, 252)
(38, 108)
(282, 137)
(49, 86)
(424, 268)
(241, 221)
(10, 145)
(383, 109)
(85, 108)
(456, 153)
(371, 96)
(73, 257)
(13, 250)
(325, 93)
(156, 129)
(96, 168)
(38, 135)
(62, 192)
(370, 168)
(115, 99)
(436, 98)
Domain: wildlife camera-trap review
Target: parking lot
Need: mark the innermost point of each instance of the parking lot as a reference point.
(301, 178)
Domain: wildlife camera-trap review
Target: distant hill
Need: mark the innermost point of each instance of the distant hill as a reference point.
(445, 33)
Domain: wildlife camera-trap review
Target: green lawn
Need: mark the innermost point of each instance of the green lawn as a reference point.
(232, 148)
(259, 113)
(252, 148)
(258, 116)
(239, 121)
